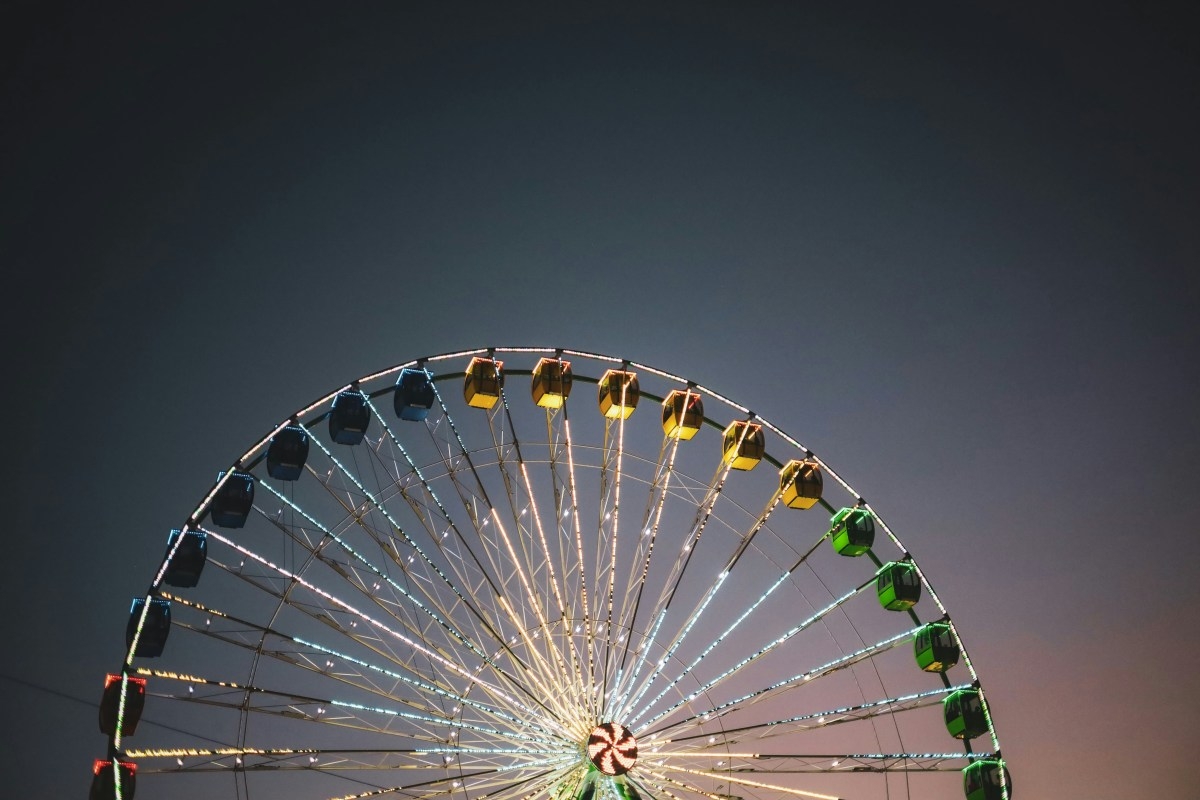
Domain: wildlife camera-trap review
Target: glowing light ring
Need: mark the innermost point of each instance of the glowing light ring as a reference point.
(612, 748)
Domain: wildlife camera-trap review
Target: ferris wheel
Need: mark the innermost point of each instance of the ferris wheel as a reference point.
(470, 577)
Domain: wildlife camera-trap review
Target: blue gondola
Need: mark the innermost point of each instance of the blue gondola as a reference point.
(188, 561)
(233, 501)
(349, 418)
(104, 783)
(287, 453)
(414, 394)
(154, 632)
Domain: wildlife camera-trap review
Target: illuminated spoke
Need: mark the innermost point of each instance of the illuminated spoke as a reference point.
(833, 716)
(764, 650)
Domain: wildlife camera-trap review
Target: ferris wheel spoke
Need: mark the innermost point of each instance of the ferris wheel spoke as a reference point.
(660, 782)
(703, 513)
(657, 488)
(758, 654)
(540, 687)
(225, 693)
(250, 759)
(807, 678)
(395, 527)
(345, 713)
(590, 700)
(568, 611)
(544, 677)
(546, 561)
(357, 615)
(610, 518)
(374, 580)
(295, 712)
(321, 613)
(421, 509)
(812, 720)
(657, 493)
(766, 764)
(318, 661)
(523, 565)
(482, 588)
(532, 692)
(498, 547)
(729, 778)
(502, 785)
(440, 787)
(502, 779)
(741, 618)
(357, 673)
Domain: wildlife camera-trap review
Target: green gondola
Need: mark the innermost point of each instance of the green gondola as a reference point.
(982, 781)
(626, 790)
(852, 531)
(898, 585)
(963, 712)
(935, 647)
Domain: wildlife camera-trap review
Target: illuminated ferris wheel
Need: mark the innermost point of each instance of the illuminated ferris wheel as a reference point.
(469, 577)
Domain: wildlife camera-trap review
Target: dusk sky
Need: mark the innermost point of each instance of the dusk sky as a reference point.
(951, 247)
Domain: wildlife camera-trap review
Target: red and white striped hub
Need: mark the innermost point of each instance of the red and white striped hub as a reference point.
(612, 748)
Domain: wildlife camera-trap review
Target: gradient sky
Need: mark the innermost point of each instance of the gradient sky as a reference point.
(953, 249)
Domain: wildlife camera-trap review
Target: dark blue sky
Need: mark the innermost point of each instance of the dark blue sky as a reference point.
(953, 249)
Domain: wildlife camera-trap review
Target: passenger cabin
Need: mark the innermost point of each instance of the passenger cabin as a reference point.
(619, 393)
(682, 414)
(287, 453)
(483, 382)
(154, 632)
(898, 585)
(552, 380)
(573, 787)
(963, 712)
(349, 417)
(110, 705)
(743, 445)
(981, 780)
(188, 562)
(626, 790)
(104, 782)
(414, 395)
(233, 501)
(935, 647)
(800, 483)
(852, 531)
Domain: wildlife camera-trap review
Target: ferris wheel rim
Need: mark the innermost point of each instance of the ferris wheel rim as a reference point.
(308, 416)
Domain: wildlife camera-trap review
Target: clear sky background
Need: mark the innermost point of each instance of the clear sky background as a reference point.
(951, 248)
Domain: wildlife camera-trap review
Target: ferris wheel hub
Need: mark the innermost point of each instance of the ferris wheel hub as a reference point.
(612, 748)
